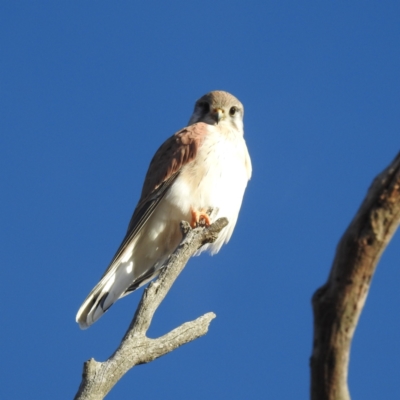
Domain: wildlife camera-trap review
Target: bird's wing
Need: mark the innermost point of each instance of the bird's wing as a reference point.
(177, 151)
(173, 154)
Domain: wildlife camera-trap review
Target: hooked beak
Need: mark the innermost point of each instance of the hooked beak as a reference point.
(217, 114)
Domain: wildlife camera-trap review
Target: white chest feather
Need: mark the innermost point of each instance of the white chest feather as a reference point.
(216, 178)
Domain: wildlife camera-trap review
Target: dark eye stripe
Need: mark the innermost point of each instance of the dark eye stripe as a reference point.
(205, 107)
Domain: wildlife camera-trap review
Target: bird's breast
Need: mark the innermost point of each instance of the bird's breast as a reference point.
(216, 178)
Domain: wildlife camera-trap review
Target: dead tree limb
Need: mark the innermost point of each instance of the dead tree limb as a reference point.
(136, 348)
(337, 304)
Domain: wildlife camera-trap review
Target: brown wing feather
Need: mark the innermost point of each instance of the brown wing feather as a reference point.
(173, 154)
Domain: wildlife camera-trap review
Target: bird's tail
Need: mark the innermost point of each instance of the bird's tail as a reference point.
(110, 288)
(116, 283)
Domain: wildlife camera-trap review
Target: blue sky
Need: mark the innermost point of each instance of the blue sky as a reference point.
(89, 90)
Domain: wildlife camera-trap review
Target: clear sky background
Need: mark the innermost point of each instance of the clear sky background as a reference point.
(89, 90)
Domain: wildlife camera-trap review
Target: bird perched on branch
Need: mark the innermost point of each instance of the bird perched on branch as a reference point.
(203, 167)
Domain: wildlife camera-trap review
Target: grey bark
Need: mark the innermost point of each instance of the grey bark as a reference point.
(337, 305)
(136, 348)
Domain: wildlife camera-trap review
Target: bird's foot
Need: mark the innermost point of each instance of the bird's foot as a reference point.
(200, 218)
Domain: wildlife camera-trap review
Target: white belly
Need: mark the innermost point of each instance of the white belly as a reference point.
(217, 178)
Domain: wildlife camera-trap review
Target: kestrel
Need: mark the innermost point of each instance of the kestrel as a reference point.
(198, 175)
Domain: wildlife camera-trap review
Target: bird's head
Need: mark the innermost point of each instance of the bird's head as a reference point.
(219, 108)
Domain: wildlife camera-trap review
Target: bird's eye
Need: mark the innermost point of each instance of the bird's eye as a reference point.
(233, 111)
(205, 107)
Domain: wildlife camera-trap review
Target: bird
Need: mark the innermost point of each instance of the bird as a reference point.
(197, 175)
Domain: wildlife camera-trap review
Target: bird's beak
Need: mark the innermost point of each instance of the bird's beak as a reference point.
(217, 114)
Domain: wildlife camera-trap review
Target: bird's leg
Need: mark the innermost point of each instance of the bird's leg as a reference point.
(199, 218)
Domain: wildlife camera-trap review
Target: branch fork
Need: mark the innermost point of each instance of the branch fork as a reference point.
(136, 348)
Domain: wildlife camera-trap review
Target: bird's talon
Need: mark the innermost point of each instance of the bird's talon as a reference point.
(200, 219)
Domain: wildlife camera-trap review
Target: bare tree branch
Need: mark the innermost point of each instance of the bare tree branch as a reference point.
(337, 304)
(136, 348)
